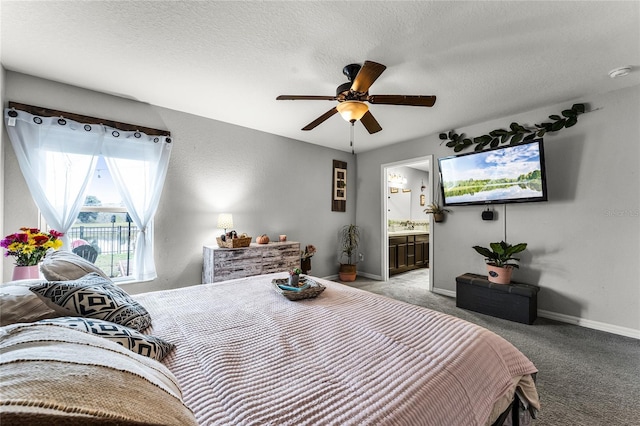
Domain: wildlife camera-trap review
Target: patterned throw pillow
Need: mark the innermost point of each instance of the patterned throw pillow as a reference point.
(93, 296)
(150, 346)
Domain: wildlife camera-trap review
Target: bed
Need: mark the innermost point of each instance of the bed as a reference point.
(242, 354)
(247, 355)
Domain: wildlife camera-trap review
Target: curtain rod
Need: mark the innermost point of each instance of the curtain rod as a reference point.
(46, 112)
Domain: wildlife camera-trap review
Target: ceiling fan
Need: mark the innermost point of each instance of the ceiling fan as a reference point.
(352, 95)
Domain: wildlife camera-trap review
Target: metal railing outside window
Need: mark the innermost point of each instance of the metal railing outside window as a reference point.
(114, 240)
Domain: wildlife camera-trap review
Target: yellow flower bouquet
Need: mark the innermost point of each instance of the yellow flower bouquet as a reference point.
(30, 245)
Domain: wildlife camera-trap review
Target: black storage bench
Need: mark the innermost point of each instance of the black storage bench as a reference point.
(515, 302)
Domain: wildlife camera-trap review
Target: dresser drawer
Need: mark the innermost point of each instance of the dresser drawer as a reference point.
(221, 264)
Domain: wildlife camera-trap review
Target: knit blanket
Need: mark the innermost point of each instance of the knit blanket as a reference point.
(51, 375)
(246, 355)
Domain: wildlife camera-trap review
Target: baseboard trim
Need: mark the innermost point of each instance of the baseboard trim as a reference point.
(336, 277)
(448, 293)
(596, 325)
(569, 319)
(370, 276)
(330, 277)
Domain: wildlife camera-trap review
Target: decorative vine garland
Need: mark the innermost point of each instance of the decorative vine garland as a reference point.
(517, 133)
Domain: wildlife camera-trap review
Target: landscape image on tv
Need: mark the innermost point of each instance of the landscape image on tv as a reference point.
(512, 173)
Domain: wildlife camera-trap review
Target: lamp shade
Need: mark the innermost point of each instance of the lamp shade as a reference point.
(225, 221)
(352, 110)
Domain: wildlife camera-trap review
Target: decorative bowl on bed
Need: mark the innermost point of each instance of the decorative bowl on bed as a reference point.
(308, 288)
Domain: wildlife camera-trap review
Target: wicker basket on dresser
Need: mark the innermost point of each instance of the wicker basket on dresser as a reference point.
(220, 264)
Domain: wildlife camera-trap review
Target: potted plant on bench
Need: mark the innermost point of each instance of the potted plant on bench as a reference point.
(500, 260)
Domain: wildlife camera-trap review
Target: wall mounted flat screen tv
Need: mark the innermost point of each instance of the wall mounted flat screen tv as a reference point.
(510, 174)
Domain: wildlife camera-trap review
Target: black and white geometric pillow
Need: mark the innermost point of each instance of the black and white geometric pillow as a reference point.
(93, 296)
(150, 346)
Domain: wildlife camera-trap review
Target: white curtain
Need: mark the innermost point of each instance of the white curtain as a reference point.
(137, 162)
(72, 147)
(138, 165)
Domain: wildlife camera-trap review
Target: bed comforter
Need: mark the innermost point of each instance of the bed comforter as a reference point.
(246, 355)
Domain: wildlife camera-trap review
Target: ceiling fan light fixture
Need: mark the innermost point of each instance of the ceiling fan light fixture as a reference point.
(352, 110)
(352, 95)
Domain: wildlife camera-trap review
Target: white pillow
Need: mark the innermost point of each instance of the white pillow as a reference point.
(19, 304)
(64, 266)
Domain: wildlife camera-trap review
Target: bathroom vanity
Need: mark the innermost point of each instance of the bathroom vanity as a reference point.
(408, 249)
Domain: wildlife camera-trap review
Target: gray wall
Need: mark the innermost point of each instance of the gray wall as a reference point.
(268, 182)
(2, 143)
(584, 243)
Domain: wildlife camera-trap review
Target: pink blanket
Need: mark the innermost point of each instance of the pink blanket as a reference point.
(246, 355)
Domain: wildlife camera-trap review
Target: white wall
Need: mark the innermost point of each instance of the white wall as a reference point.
(584, 243)
(415, 178)
(399, 205)
(271, 184)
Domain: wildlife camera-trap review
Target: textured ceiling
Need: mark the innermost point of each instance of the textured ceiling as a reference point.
(229, 60)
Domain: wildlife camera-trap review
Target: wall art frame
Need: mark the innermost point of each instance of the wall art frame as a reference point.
(339, 186)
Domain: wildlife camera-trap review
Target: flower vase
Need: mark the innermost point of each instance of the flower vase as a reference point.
(293, 280)
(25, 272)
(305, 265)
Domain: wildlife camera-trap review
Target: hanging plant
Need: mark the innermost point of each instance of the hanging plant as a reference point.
(517, 133)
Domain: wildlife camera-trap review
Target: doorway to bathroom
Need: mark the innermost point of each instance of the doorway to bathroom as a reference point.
(407, 248)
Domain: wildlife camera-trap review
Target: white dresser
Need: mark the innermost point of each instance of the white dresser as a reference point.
(220, 264)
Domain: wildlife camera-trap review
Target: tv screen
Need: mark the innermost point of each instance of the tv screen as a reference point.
(509, 174)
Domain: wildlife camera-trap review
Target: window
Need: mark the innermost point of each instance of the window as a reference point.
(59, 154)
(104, 223)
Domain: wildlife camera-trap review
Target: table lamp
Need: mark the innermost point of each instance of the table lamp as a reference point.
(225, 220)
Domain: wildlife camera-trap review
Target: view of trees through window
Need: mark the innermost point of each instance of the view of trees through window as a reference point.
(105, 225)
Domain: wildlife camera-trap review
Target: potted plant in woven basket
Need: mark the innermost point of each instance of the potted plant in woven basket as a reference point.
(349, 241)
(500, 261)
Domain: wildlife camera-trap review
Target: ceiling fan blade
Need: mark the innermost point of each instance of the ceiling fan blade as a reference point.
(305, 98)
(369, 73)
(320, 119)
(415, 100)
(370, 123)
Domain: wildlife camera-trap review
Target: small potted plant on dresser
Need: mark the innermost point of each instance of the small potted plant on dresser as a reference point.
(500, 261)
(349, 241)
